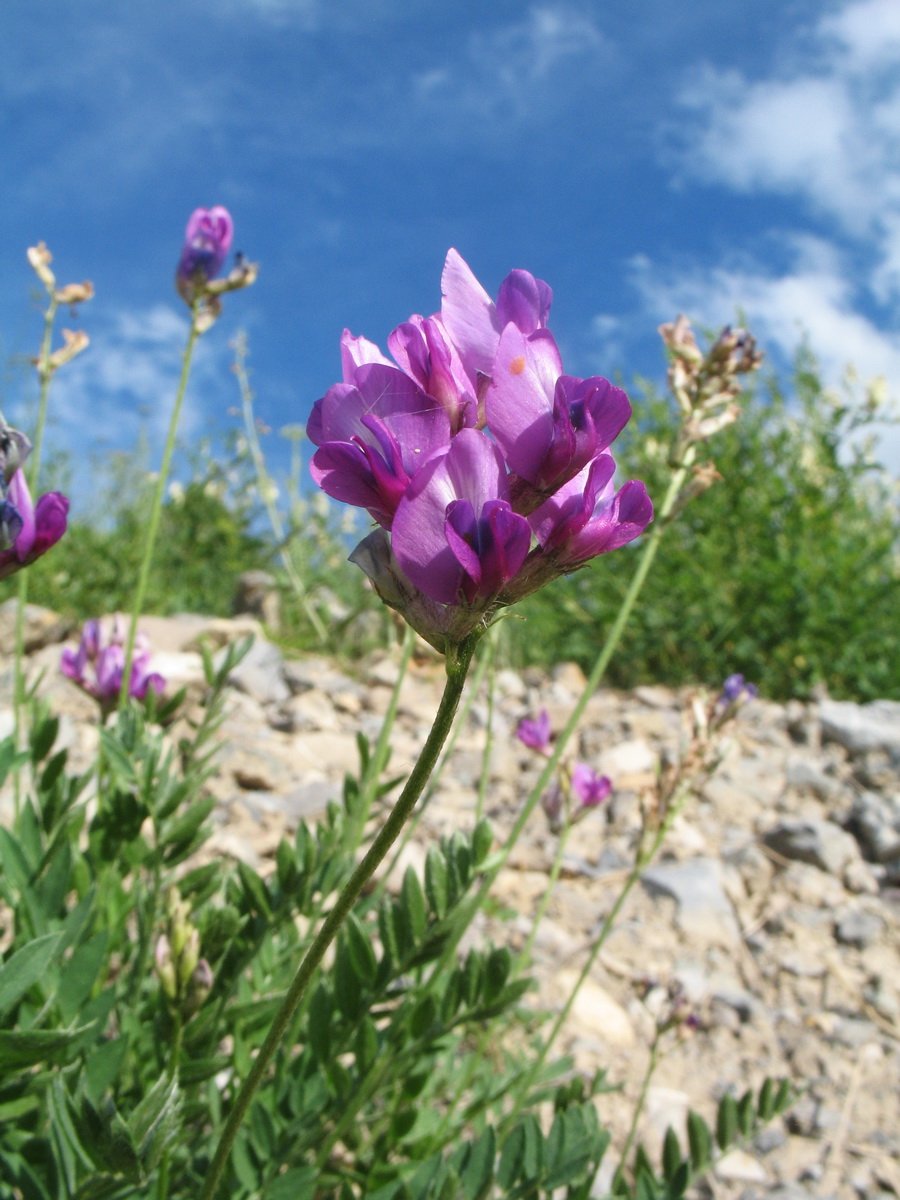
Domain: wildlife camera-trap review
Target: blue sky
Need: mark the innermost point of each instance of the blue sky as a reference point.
(642, 157)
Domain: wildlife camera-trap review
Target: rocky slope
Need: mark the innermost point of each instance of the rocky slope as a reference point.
(772, 913)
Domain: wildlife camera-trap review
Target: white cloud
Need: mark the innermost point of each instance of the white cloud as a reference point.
(814, 301)
(513, 72)
(124, 384)
(825, 126)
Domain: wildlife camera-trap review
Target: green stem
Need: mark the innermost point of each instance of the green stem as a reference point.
(156, 512)
(413, 825)
(641, 1101)
(643, 858)
(524, 956)
(458, 660)
(45, 373)
(266, 487)
(376, 764)
(484, 778)
(651, 545)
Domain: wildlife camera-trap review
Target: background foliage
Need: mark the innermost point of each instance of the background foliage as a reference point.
(788, 571)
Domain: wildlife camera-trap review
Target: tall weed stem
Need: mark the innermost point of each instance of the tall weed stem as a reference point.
(458, 660)
(156, 511)
(45, 374)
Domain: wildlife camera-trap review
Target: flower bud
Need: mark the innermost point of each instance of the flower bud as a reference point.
(75, 293)
(40, 258)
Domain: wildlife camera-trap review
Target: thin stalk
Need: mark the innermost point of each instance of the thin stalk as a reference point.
(156, 512)
(643, 857)
(484, 778)
(641, 1101)
(266, 486)
(458, 661)
(413, 825)
(524, 955)
(499, 860)
(45, 373)
(378, 761)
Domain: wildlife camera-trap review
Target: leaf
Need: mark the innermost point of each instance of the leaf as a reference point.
(784, 1097)
(727, 1122)
(436, 881)
(43, 735)
(319, 1021)
(746, 1114)
(362, 956)
(255, 890)
(25, 968)
(80, 974)
(512, 1158)
(366, 1047)
(699, 1142)
(671, 1155)
(102, 1066)
(765, 1105)
(413, 900)
(27, 1047)
(478, 1173)
(496, 972)
(482, 840)
(297, 1183)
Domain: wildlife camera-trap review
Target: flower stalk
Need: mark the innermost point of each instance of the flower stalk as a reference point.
(458, 661)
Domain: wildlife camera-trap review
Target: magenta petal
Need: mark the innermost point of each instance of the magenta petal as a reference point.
(519, 402)
(20, 498)
(355, 351)
(469, 316)
(50, 517)
(524, 301)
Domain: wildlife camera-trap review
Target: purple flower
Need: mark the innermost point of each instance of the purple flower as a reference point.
(588, 787)
(736, 689)
(31, 529)
(207, 241)
(548, 425)
(373, 433)
(97, 666)
(536, 734)
(587, 517)
(454, 534)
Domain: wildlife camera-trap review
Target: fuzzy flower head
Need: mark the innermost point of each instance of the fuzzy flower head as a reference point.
(28, 530)
(97, 666)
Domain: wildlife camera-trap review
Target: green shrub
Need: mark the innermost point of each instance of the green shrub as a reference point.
(787, 571)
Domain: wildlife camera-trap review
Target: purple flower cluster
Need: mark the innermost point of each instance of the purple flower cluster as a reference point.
(98, 664)
(489, 467)
(581, 784)
(27, 530)
(207, 241)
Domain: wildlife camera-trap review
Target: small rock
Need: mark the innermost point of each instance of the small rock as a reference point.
(862, 727)
(43, 626)
(704, 909)
(260, 673)
(875, 822)
(820, 843)
(737, 1166)
(859, 928)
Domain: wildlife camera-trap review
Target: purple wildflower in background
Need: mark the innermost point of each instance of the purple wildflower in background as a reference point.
(486, 466)
(736, 689)
(97, 666)
(31, 529)
(207, 241)
(536, 734)
(589, 788)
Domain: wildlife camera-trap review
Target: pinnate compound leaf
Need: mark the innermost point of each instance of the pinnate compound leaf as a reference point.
(24, 968)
